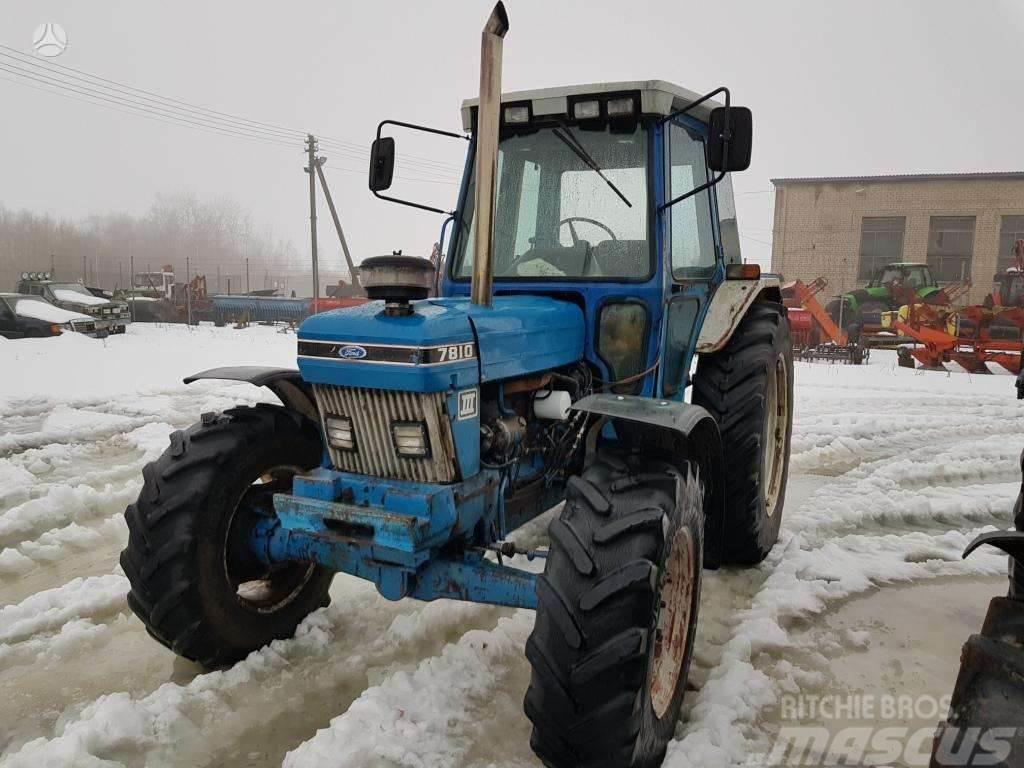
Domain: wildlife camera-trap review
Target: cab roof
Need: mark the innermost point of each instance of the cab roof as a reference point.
(657, 97)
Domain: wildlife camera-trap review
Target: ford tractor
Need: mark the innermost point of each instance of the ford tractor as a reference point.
(595, 347)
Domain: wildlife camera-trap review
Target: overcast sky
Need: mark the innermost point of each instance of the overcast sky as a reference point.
(858, 87)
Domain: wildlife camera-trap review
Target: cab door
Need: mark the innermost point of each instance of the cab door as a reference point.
(694, 253)
(9, 322)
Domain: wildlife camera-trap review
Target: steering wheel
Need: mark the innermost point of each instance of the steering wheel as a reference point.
(584, 219)
(575, 239)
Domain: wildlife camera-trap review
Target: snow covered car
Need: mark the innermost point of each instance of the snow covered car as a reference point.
(25, 316)
(110, 316)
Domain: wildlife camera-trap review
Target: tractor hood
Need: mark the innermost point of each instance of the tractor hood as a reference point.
(444, 344)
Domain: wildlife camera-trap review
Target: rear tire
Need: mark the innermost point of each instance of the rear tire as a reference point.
(194, 582)
(747, 387)
(609, 660)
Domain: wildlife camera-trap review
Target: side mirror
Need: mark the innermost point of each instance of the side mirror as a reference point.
(741, 128)
(382, 163)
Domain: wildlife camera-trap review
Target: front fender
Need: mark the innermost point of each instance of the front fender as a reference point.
(285, 383)
(729, 304)
(683, 431)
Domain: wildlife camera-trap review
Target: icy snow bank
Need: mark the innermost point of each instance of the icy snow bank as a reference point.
(801, 583)
(73, 368)
(421, 718)
(186, 724)
(47, 611)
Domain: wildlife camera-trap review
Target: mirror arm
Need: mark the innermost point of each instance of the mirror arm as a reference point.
(415, 127)
(726, 141)
(695, 190)
(426, 129)
(697, 103)
(411, 204)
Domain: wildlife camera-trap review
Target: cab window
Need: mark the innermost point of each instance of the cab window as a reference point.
(693, 246)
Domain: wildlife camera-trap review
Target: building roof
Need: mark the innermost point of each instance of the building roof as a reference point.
(898, 177)
(657, 97)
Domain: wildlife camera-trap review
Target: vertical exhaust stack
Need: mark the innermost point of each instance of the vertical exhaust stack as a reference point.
(486, 163)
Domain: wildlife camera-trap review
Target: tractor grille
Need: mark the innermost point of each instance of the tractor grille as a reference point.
(372, 411)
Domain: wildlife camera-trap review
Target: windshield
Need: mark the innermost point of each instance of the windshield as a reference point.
(76, 287)
(571, 204)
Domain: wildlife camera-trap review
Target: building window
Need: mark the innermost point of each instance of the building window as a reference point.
(950, 246)
(1011, 230)
(881, 243)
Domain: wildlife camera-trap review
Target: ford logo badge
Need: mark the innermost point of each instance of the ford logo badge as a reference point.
(352, 352)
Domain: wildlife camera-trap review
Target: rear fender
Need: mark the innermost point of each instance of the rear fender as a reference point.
(729, 304)
(285, 383)
(681, 431)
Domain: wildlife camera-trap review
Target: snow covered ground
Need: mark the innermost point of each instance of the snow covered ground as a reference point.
(893, 472)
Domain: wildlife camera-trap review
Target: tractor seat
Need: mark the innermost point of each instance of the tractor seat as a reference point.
(627, 258)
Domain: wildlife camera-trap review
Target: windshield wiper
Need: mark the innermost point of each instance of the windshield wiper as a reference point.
(573, 143)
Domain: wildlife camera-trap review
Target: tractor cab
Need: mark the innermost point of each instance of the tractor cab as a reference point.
(606, 198)
(903, 283)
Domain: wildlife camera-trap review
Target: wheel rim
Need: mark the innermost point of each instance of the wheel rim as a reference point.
(673, 624)
(777, 417)
(256, 585)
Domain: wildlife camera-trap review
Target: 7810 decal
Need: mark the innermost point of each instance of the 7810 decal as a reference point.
(453, 352)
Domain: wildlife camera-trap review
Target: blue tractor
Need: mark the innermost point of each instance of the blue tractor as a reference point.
(595, 340)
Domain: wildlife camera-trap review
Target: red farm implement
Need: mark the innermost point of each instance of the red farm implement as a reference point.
(970, 336)
(816, 336)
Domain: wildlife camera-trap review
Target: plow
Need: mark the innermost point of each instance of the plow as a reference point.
(968, 336)
(971, 336)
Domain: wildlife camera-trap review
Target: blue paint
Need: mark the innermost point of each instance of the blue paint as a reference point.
(517, 336)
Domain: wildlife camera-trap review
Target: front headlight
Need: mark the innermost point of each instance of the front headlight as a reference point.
(410, 438)
(339, 432)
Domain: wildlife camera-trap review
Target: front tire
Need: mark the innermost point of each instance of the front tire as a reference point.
(194, 582)
(748, 388)
(616, 615)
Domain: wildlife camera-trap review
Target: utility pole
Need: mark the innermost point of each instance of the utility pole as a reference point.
(247, 274)
(84, 281)
(120, 275)
(353, 273)
(188, 288)
(131, 276)
(312, 164)
(218, 278)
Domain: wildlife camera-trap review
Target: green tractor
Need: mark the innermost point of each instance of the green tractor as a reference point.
(891, 287)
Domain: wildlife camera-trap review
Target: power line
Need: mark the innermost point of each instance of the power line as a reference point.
(128, 103)
(139, 98)
(104, 105)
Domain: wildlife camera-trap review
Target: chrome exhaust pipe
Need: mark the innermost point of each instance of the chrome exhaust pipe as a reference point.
(488, 118)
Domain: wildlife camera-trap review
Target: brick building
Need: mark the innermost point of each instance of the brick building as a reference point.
(842, 228)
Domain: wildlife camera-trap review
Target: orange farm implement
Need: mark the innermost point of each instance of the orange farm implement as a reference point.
(970, 336)
(816, 336)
